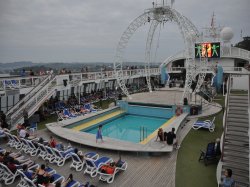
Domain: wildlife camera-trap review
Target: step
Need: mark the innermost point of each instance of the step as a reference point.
(236, 166)
(230, 111)
(236, 128)
(240, 100)
(232, 96)
(243, 160)
(237, 124)
(237, 138)
(241, 116)
(244, 175)
(237, 120)
(239, 149)
(232, 104)
(232, 108)
(240, 155)
(237, 133)
(237, 143)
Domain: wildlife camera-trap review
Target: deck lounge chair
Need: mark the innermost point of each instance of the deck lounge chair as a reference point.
(109, 178)
(22, 182)
(57, 177)
(93, 166)
(89, 107)
(33, 128)
(73, 183)
(11, 141)
(18, 144)
(33, 150)
(2, 150)
(50, 156)
(29, 182)
(67, 113)
(25, 146)
(43, 151)
(205, 124)
(8, 176)
(78, 163)
(209, 155)
(62, 156)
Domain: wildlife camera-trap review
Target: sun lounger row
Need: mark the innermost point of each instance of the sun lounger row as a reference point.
(8, 176)
(91, 160)
(66, 113)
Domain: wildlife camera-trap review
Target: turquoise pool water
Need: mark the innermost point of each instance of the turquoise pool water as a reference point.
(127, 127)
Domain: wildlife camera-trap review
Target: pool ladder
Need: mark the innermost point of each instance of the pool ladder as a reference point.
(143, 133)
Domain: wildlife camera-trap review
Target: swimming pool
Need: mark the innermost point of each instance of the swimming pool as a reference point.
(129, 127)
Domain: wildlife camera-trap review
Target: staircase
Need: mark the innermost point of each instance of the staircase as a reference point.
(28, 96)
(236, 145)
(33, 102)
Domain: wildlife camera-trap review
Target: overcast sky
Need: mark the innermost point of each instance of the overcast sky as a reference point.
(89, 30)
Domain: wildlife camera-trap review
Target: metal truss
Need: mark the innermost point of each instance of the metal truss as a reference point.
(127, 34)
(189, 34)
(150, 38)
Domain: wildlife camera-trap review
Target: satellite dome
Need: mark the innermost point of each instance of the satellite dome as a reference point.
(226, 34)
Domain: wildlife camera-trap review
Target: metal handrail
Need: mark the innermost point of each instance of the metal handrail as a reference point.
(27, 96)
(27, 103)
(225, 114)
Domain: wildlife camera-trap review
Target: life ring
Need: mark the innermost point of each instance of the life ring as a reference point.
(178, 111)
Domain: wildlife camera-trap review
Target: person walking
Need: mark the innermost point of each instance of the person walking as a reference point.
(99, 133)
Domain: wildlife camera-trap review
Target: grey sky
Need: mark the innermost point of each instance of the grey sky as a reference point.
(89, 30)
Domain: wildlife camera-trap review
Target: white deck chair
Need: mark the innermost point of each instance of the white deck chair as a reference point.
(22, 182)
(33, 150)
(2, 150)
(78, 163)
(92, 166)
(8, 176)
(207, 124)
(73, 183)
(25, 146)
(11, 141)
(109, 178)
(43, 152)
(18, 144)
(62, 156)
(50, 156)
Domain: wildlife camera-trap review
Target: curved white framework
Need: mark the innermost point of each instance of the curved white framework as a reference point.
(157, 16)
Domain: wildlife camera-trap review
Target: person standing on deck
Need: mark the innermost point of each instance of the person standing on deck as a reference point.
(99, 133)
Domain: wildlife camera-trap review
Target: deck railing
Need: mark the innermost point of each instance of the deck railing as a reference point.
(226, 109)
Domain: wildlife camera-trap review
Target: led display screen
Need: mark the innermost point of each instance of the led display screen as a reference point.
(207, 50)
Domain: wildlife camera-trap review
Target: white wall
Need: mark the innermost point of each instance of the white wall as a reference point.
(240, 82)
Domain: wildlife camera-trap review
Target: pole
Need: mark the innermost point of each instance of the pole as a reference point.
(79, 94)
(140, 133)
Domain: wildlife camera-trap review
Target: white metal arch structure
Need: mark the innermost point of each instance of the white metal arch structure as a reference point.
(158, 15)
(150, 38)
(127, 34)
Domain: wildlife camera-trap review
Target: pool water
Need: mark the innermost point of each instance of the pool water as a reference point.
(128, 127)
